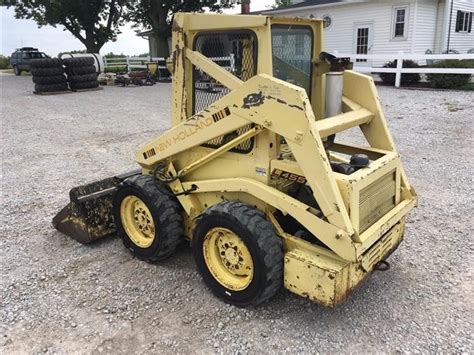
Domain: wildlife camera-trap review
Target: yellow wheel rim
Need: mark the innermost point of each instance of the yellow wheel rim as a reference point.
(137, 221)
(228, 259)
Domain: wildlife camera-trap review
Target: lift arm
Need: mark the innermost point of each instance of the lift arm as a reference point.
(277, 106)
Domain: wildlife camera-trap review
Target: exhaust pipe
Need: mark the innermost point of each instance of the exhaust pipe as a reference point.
(334, 87)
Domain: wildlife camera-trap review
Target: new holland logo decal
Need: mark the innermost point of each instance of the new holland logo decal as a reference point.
(193, 125)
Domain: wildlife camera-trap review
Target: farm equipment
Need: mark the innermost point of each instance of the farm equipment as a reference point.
(137, 77)
(253, 173)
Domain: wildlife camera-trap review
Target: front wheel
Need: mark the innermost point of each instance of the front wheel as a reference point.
(148, 218)
(16, 70)
(238, 253)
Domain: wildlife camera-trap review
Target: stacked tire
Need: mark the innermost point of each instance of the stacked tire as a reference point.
(48, 75)
(81, 73)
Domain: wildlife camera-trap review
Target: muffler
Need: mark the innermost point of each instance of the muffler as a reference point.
(89, 216)
(334, 88)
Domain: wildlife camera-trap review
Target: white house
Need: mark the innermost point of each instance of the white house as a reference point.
(389, 26)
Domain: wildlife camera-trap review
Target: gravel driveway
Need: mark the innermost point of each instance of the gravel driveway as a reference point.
(58, 296)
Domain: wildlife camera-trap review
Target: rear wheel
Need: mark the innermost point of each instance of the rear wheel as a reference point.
(148, 218)
(238, 253)
(16, 70)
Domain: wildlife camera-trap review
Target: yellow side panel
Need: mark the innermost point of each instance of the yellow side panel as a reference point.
(327, 279)
(307, 279)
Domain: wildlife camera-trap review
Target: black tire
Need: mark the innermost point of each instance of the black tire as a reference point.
(17, 71)
(47, 71)
(88, 69)
(165, 211)
(56, 79)
(51, 87)
(259, 236)
(84, 85)
(82, 78)
(78, 61)
(46, 63)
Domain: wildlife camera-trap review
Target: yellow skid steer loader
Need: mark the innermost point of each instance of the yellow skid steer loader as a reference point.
(251, 171)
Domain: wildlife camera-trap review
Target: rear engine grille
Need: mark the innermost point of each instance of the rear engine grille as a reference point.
(380, 249)
(376, 200)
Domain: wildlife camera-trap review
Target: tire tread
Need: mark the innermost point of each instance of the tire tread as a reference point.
(169, 212)
(78, 61)
(268, 242)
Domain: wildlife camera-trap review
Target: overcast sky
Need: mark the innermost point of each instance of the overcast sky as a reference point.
(25, 33)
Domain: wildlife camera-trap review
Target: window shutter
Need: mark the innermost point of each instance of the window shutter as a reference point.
(469, 25)
(459, 19)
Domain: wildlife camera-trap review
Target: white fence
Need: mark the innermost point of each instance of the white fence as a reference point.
(400, 57)
(140, 62)
(134, 62)
(362, 67)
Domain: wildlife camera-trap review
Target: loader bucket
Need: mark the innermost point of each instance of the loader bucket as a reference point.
(88, 216)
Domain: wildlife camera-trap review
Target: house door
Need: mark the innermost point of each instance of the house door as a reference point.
(363, 42)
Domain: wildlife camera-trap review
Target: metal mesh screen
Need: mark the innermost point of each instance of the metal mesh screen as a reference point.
(292, 48)
(236, 52)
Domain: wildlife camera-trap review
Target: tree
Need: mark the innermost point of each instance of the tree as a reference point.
(158, 15)
(93, 22)
(114, 55)
(280, 4)
(4, 62)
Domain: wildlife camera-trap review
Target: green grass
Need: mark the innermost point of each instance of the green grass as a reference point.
(467, 87)
(114, 69)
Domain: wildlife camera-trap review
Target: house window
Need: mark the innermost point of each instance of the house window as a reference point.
(464, 21)
(399, 21)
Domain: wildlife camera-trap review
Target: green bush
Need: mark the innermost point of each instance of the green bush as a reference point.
(120, 69)
(469, 63)
(114, 55)
(450, 81)
(407, 79)
(4, 62)
(115, 69)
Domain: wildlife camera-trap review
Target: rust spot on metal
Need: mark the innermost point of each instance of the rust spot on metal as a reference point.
(176, 28)
(283, 102)
(176, 54)
(297, 107)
